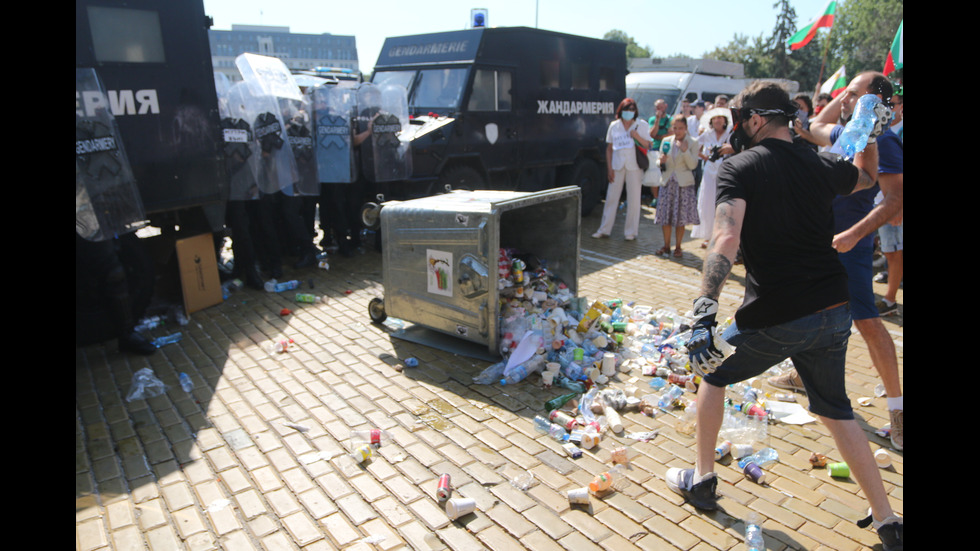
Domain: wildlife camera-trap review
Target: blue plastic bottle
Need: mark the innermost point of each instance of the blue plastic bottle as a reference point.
(186, 383)
(760, 458)
(854, 138)
(753, 533)
(673, 393)
(169, 339)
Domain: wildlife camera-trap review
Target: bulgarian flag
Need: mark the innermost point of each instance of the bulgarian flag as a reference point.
(806, 34)
(896, 53)
(835, 84)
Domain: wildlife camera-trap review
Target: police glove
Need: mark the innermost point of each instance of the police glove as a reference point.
(704, 355)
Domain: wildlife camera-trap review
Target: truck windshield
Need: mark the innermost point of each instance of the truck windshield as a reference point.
(433, 88)
(439, 88)
(646, 97)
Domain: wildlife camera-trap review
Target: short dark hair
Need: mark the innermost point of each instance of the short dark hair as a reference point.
(762, 94)
(880, 85)
(806, 100)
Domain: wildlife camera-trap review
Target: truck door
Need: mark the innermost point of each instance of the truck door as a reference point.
(491, 127)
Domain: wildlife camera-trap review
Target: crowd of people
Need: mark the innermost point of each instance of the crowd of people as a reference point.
(773, 193)
(684, 196)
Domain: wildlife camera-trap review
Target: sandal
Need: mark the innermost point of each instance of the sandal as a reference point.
(663, 251)
(678, 253)
(598, 235)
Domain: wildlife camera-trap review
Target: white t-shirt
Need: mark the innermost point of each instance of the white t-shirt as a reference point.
(622, 143)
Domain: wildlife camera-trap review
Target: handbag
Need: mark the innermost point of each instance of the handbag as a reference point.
(654, 177)
(641, 158)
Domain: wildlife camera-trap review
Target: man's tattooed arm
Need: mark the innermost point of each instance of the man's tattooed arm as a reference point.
(714, 274)
(723, 247)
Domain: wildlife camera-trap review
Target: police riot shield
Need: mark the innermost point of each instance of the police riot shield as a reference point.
(299, 132)
(383, 110)
(107, 200)
(276, 166)
(268, 76)
(272, 85)
(241, 151)
(334, 108)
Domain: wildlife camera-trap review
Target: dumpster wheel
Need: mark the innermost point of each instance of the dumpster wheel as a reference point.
(376, 309)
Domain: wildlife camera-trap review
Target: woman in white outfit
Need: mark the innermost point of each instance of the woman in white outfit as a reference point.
(719, 126)
(622, 168)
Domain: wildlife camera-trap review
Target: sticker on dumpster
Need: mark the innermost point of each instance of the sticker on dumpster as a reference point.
(439, 272)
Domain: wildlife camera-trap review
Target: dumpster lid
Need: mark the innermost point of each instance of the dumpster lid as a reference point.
(486, 200)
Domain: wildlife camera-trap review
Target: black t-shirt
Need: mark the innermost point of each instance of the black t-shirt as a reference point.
(791, 268)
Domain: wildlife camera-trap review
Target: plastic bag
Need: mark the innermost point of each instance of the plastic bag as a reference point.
(145, 385)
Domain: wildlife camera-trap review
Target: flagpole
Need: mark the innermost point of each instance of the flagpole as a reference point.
(823, 62)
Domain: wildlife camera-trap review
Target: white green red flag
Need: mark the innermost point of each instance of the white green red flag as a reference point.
(896, 53)
(806, 34)
(835, 84)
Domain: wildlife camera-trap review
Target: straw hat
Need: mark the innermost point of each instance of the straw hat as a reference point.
(716, 112)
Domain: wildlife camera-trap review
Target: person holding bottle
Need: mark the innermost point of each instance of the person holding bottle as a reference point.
(774, 202)
(856, 218)
(621, 138)
(677, 205)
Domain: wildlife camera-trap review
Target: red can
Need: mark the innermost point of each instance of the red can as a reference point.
(444, 490)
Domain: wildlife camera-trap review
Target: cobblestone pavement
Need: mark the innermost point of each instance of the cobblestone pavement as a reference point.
(219, 468)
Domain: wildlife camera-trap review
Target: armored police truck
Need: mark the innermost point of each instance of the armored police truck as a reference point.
(152, 80)
(154, 60)
(507, 108)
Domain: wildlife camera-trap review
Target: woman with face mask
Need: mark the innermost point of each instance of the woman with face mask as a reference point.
(624, 133)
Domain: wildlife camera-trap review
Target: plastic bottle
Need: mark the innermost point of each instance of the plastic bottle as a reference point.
(521, 372)
(545, 426)
(169, 339)
(491, 374)
(273, 286)
(374, 437)
(186, 383)
(854, 138)
(565, 382)
(761, 458)
(309, 298)
(150, 323)
(604, 481)
(668, 397)
(753, 533)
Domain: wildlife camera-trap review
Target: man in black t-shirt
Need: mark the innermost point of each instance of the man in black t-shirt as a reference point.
(774, 200)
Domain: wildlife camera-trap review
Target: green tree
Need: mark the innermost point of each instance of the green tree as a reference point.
(862, 35)
(632, 48)
(859, 40)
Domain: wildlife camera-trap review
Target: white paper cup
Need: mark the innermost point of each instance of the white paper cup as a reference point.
(608, 364)
(883, 459)
(547, 377)
(460, 506)
(578, 495)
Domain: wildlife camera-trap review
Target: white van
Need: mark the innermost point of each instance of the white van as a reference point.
(676, 78)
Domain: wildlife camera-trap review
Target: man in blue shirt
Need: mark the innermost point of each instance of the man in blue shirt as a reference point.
(856, 219)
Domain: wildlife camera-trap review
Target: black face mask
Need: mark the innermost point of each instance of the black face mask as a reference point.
(740, 139)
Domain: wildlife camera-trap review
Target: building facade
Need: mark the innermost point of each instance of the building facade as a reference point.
(298, 51)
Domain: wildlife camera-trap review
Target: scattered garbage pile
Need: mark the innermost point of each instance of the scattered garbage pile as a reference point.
(552, 338)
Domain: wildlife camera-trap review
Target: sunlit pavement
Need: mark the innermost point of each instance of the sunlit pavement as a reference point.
(256, 456)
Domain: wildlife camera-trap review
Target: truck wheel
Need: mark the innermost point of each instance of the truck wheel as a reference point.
(586, 175)
(462, 177)
(376, 309)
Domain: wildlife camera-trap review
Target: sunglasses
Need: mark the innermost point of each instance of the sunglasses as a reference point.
(742, 114)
